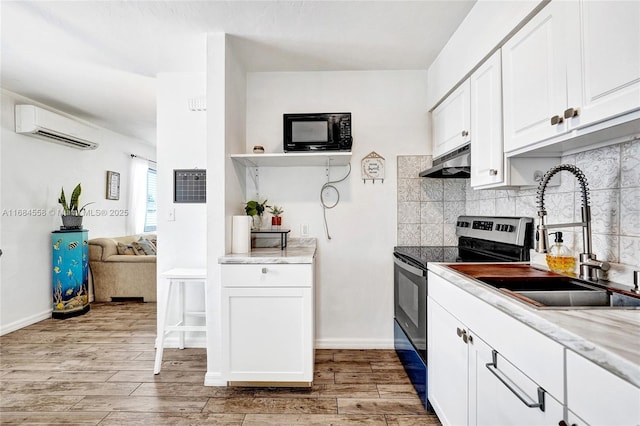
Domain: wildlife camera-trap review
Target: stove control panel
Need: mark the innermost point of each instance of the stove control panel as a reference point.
(484, 225)
(510, 230)
(503, 227)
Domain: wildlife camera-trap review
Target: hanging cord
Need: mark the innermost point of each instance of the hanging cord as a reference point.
(328, 185)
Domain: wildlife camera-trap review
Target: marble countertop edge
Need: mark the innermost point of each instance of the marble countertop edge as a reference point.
(297, 251)
(572, 328)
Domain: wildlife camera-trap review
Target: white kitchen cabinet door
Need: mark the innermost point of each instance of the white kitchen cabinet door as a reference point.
(534, 80)
(604, 62)
(598, 396)
(451, 121)
(487, 150)
(493, 403)
(447, 372)
(268, 334)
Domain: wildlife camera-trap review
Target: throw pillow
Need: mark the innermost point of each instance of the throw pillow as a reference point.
(137, 249)
(147, 246)
(126, 249)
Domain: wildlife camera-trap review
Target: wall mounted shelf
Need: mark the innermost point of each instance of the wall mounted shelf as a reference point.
(293, 159)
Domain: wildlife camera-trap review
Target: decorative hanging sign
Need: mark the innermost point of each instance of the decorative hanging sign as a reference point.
(372, 167)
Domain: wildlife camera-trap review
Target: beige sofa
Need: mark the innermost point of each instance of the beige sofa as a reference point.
(121, 276)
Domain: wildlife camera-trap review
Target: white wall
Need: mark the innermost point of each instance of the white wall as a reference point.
(32, 173)
(354, 295)
(182, 144)
(226, 89)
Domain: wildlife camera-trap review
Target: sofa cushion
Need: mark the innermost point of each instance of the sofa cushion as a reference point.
(147, 246)
(126, 249)
(125, 258)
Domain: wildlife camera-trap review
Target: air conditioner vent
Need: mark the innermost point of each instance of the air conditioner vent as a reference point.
(39, 122)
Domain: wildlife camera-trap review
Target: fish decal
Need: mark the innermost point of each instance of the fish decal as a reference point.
(69, 292)
(56, 270)
(56, 245)
(70, 272)
(85, 243)
(59, 260)
(73, 245)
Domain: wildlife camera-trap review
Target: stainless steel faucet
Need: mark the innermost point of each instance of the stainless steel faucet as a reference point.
(589, 266)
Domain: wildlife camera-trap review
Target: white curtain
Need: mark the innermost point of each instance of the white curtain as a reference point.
(137, 196)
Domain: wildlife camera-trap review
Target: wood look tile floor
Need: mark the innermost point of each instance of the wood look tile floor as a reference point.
(97, 369)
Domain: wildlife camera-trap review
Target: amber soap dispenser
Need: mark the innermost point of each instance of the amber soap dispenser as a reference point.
(559, 258)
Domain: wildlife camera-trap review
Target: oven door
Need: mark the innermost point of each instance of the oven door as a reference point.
(410, 303)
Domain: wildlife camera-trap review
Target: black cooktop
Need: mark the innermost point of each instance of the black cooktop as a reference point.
(420, 255)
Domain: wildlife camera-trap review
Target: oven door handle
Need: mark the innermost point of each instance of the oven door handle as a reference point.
(411, 269)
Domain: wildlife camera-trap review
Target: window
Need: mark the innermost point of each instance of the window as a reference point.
(151, 213)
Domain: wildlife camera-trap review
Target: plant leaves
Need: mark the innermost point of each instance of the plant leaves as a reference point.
(75, 197)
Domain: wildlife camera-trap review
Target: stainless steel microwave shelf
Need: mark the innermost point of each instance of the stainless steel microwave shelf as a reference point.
(293, 159)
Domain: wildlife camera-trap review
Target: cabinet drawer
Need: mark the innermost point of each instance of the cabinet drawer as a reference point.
(536, 355)
(267, 275)
(598, 396)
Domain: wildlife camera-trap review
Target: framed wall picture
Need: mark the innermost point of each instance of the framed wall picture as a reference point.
(113, 185)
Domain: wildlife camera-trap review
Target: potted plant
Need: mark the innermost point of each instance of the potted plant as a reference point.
(256, 209)
(72, 212)
(276, 219)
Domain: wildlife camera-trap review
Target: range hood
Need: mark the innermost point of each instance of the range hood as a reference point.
(456, 164)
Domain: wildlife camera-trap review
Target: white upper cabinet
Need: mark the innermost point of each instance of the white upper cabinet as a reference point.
(535, 88)
(489, 168)
(573, 65)
(603, 72)
(487, 153)
(451, 121)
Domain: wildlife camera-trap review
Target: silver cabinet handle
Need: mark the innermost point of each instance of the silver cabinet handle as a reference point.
(465, 133)
(264, 270)
(493, 368)
(571, 112)
(493, 172)
(556, 119)
(467, 338)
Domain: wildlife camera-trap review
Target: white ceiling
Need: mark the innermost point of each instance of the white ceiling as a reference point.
(98, 59)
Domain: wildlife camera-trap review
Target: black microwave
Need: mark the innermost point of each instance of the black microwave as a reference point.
(317, 132)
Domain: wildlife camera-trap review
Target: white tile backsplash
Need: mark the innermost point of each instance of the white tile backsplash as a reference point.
(427, 208)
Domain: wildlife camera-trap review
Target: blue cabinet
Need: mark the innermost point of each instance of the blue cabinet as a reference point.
(70, 273)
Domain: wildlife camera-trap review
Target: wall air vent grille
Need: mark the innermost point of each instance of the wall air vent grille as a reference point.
(65, 140)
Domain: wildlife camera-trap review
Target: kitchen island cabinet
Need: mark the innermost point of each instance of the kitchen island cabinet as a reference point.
(268, 317)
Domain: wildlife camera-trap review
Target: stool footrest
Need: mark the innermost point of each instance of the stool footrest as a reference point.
(185, 328)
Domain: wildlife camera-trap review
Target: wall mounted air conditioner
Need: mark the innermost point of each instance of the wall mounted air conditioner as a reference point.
(39, 122)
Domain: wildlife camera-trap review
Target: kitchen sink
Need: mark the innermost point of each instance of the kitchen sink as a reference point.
(560, 292)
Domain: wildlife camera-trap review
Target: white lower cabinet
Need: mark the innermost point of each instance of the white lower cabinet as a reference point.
(597, 397)
(268, 323)
(504, 395)
(448, 371)
(496, 374)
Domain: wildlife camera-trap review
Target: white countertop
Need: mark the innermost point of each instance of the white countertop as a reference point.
(608, 337)
(297, 251)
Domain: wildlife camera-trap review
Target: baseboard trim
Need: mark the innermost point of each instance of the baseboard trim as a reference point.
(214, 379)
(24, 322)
(354, 343)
